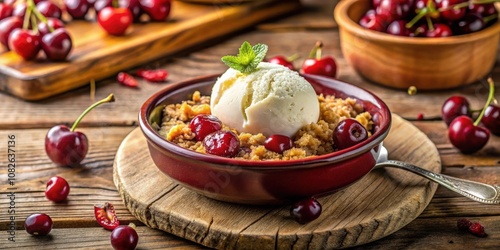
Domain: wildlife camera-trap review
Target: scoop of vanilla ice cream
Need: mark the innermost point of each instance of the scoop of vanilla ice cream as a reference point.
(271, 100)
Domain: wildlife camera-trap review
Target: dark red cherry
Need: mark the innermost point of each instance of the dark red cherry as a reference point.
(77, 9)
(134, 6)
(373, 21)
(491, 119)
(318, 65)
(439, 30)
(202, 125)
(57, 189)
(49, 9)
(19, 9)
(483, 10)
(222, 143)
(466, 136)
(305, 211)
(38, 224)
(157, 10)
(349, 132)
(101, 4)
(5, 10)
(57, 45)
(450, 13)
(454, 107)
(394, 9)
(43, 27)
(7, 25)
(124, 237)
(398, 28)
(281, 60)
(468, 24)
(278, 143)
(419, 31)
(25, 43)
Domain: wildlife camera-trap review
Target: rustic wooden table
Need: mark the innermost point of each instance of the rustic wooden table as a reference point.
(107, 126)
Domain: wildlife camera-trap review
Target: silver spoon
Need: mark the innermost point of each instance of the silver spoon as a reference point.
(481, 192)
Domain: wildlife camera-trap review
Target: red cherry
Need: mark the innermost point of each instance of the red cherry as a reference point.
(157, 10)
(25, 43)
(439, 30)
(106, 216)
(468, 24)
(134, 6)
(124, 237)
(477, 229)
(466, 136)
(115, 21)
(348, 133)
(5, 10)
(43, 27)
(316, 65)
(49, 9)
(222, 143)
(419, 31)
(101, 4)
(19, 9)
(281, 60)
(202, 125)
(450, 13)
(373, 21)
(454, 107)
(57, 44)
(491, 119)
(398, 28)
(278, 143)
(38, 224)
(57, 189)
(394, 9)
(7, 25)
(305, 211)
(77, 9)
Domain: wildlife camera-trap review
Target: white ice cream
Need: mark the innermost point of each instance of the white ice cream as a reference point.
(271, 100)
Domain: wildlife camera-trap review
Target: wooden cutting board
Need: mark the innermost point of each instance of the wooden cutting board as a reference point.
(96, 55)
(379, 204)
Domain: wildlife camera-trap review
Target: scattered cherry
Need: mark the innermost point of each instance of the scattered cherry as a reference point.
(57, 189)
(305, 211)
(57, 44)
(25, 43)
(491, 119)
(348, 133)
(278, 143)
(106, 216)
(127, 80)
(38, 224)
(463, 224)
(477, 229)
(124, 237)
(66, 147)
(454, 107)
(316, 65)
(202, 125)
(222, 143)
(284, 61)
(115, 21)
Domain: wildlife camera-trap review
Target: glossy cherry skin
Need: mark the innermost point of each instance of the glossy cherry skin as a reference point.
(7, 25)
(157, 10)
(57, 45)
(278, 143)
(57, 189)
(394, 9)
(101, 4)
(281, 60)
(49, 9)
(454, 107)
(398, 28)
(25, 43)
(19, 9)
(77, 9)
(38, 224)
(134, 6)
(419, 31)
(64, 147)
(115, 21)
(491, 119)
(373, 21)
(305, 211)
(348, 133)
(203, 125)
(5, 10)
(467, 137)
(468, 24)
(222, 143)
(124, 238)
(325, 66)
(440, 30)
(43, 28)
(451, 14)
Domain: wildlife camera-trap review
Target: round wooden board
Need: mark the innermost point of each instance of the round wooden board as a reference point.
(379, 204)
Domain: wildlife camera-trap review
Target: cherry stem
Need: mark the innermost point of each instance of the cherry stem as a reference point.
(487, 19)
(31, 8)
(413, 21)
(491, 95)
(110, 98)
(292, 57)
(316, 51)
(27, 16)
(132, 225)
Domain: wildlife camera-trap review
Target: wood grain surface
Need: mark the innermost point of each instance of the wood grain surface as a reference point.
(97, 55)
(378, 205)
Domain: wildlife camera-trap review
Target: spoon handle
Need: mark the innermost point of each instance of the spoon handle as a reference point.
(481, 192)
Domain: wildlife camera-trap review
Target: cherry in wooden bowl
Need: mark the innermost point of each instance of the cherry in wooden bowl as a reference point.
(424, 62)
(263, 182)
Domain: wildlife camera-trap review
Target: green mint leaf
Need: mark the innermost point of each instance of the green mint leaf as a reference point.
(247, 59)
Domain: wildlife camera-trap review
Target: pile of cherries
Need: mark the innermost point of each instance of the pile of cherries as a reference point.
(464, 133)
(429, 18)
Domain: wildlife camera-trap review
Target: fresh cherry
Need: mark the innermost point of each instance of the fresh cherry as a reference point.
(202, 125)
(77, 9)
(124, 237)
(222, 143)
(5, 10)
(454, 107)
(394, 9)
(57, 44)
(316, 65)
(7, 25)
(52, 23)
(305, 211)
(134, 6)
(25, 43)
(470, 23)
(284, 61)
(491, 119)
(101, 4)
(439, 30)
(66, 147)
(38, 224)
(106, 216)
(115, 21)
(57, 189)
(157, 10)
(348, 133)
(398, 28)
(373, 21)
(450, 13)
(278, 143)
(49, 9)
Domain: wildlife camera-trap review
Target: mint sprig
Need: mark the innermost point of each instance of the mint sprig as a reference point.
(247, 59)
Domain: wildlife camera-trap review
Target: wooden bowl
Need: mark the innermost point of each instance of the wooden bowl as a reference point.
(401, 62)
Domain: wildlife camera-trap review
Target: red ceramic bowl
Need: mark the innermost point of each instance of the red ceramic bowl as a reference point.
(263, 182)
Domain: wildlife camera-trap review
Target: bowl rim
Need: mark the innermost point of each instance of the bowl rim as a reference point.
(343, 20)
(153, 137)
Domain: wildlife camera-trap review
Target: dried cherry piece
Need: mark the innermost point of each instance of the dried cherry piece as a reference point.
(127, 80)
(153, 75)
